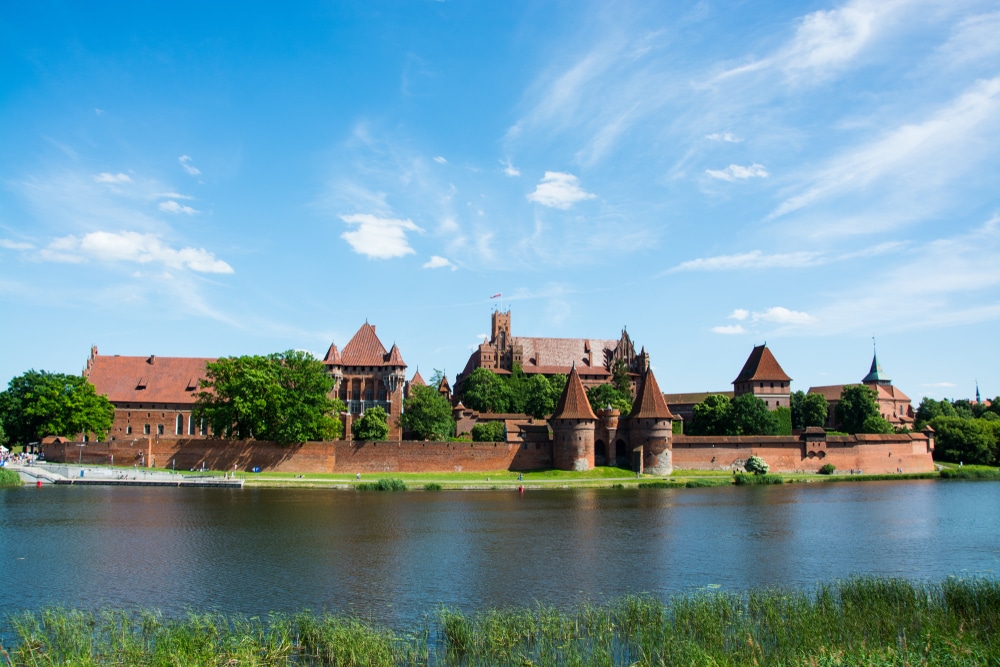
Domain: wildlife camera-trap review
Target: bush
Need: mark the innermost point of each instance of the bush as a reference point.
(827, 469)
(382, 485)
(756, 465)
(9, 477)
(432, 486)
(494, 431)
(743, 479)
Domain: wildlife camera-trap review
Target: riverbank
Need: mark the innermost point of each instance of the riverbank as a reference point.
(869, 621)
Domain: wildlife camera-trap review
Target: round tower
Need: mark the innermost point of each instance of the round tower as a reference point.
(650, 426)
(573, 424)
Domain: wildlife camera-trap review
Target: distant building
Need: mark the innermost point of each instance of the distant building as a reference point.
(893, 404)
(763, 377)
(594, 359)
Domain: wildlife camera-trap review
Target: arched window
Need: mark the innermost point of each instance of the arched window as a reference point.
(179, 426)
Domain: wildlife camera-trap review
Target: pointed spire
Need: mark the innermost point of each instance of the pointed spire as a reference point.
(573, 403)
(875, 374)
(978, 399)
(649, 403)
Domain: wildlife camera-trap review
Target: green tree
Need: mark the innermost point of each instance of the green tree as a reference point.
(814, 408)
(485, 391)
(929, 409)
(857, 411)
(373, 425)
(964, 440)
(427, 415)
(795, 405)
(749, 416)
(756, 464)
(712, 416)
(494, 431)
(38, 404)
(540, 398)
(621, 380)
(280, 397)
(603, 395)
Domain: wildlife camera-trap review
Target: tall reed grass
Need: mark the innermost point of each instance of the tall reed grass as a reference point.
(382, 485)
(860, 621)
(9, 477)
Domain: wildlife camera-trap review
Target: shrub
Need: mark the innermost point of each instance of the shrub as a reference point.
(382, 485)
(756, 465)
(827, 469)
(9, 477)
(743, 479)
(432, 486)
(494, 431)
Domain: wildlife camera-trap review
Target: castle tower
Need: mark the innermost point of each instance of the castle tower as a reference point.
(573, 425)
(876, 376)
(763, 377)
(651, 427)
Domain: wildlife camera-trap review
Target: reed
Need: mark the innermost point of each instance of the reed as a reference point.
(859, 621)
(9, 477)
(382, 485)
(747, 479)
(970, 473)
(432, 486)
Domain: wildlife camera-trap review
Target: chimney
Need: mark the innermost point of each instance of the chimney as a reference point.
(151, 360)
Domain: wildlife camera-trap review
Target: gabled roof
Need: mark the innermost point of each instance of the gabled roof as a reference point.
(649, 403)
(761, 365)
(149, 379)
(876, 374)
(557, 355)
(417, 380)
(394, 358)
(364, 349)
(573, 403)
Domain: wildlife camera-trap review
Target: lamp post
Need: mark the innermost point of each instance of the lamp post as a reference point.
(81, 446)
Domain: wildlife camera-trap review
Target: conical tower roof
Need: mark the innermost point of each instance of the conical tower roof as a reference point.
(573, 403)
(649, 403)
(417, 380)
(761, 365)
(394, 358)
(332, 357)
(875, 374)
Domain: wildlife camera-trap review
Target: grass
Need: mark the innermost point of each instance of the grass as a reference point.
(748, 479)
(9, 477)
(970, 472)
(382, 485)
(860, 621)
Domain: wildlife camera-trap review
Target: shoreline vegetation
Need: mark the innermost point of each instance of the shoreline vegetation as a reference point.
(858, 621)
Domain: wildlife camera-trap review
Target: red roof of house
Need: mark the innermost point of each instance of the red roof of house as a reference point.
(149, 379)
(557, 355)
(365, 349)
(573, 403)
(761, 365)
(649, 403)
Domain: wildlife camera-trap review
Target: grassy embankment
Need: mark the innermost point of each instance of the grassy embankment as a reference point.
(9, 478)
(865, 621)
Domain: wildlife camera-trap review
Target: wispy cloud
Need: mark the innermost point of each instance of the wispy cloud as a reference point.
(185, 161)
(735, 172)
(782, 315)
(15, 245)
(510, 169)
(559, 190)
(943, 385)
(115, 179)
(173, 207)
(130, 247)
(728, 137)
(440, 160)
(377, 237)
(438, 262)
(729, 329)
(748, 260)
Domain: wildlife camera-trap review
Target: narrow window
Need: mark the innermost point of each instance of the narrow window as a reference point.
(159, 429)
(179, 428)
(145, 429)
(128, 430)
(190, 424)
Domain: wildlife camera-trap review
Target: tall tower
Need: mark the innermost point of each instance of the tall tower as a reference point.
(500, 331)
(573, 425)
(651, 427)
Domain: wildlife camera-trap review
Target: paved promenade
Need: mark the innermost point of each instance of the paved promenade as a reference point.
(87, 475)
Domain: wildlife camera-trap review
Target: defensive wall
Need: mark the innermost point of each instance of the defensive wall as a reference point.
(909, 452)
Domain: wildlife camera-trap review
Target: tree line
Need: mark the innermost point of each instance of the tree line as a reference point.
(965, 431)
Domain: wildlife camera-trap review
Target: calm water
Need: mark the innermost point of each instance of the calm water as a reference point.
(397, 556)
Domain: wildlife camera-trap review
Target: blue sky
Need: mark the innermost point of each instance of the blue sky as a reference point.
(191, 181)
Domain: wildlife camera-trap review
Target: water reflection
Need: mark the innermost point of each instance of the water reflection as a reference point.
(396, 557)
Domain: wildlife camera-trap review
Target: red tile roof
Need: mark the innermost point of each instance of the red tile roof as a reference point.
(649, 403)
(332, 357)
(557, 355)
(761, 365)
(573, 403)
(417, 380)
(692, 398)
(147, 379)
(365, 349)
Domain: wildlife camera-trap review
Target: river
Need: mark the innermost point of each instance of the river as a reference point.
(395, 557)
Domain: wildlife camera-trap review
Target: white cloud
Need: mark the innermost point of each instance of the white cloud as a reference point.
(15, 245)
(131, 247)
(729, 329)
(173, 207)
(945, 385)
(379, 238)
(748, 260)
(737, 172)
(185, 161)
(171, 195)
(723, 136)
(559, 190)
(437, 262)
(115, 179)
(510, 169)
(440, 160)
(782, 315)
(739, 314)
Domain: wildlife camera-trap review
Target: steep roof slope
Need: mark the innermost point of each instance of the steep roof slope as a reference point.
(573, 403)
(761, 365)
(649, 403)
(364, 349)
(149, 379)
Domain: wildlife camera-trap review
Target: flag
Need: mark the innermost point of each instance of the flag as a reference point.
(495, 295)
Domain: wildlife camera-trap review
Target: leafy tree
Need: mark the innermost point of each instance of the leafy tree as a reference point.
(966, 440)
(281, 397)
(427, 414)
(436, 379)
(857, 411)
(712, 416)
(485, 391)
(814, 410)
(963, 408)
(748, 415)
(784, 417)
(621, 380)
(38, 404)
(540, 398)
(827, 469)
(603, 395)
(373, 425)
(558, 384)
(489, 432)
(929, 409)
(795, 405)
(756, 464)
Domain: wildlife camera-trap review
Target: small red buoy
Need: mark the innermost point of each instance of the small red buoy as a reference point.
(520, 489)
(38, 484)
